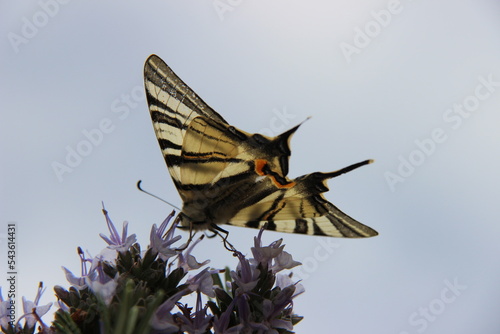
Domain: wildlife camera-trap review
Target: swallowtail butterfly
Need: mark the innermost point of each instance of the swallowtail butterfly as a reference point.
(225, 175)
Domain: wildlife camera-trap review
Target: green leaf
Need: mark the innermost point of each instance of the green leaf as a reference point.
(65, 324)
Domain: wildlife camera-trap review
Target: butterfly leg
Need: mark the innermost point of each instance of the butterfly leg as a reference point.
(191, 236)
(212, 236)
(217, 230)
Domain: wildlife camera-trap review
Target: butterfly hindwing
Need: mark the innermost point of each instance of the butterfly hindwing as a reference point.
(301, 208)
(228, 176)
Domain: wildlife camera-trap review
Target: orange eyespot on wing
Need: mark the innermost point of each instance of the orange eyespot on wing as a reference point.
(262, 169)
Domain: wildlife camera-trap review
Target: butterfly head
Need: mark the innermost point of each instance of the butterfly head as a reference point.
(187, 222)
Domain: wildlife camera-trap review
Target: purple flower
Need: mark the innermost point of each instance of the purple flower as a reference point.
(120, 244)
(163, 319)
(257, 310)
(255, 299)
(271, 311)
(221, 323)
(283, 281)
(104, 287)
(272, 257)
(195, 323)
(95, 279)
(78, 282)
(161, 242)
(246, 275)
(188, 261)
(202, 282)
(33, 312)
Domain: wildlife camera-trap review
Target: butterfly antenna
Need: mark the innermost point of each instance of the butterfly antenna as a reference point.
(191, 232)
(157, 197)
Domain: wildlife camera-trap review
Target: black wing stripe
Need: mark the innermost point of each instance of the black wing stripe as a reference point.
(159, 114)
(165, 143)
(271, 225)
(316, 229)
(253, 224)
(177, 92)
(229, 135)
(344, 229)
(173, 160)
(301, 226)
(195, 160)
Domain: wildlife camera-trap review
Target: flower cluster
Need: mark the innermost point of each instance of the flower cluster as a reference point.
(251, 304)
(128, 291)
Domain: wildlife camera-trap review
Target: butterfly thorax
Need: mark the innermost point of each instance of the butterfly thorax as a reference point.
(200, 217)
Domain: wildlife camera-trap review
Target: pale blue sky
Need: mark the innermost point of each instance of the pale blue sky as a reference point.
(382, 79)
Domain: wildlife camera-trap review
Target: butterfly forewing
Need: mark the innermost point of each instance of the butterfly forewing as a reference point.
(228, 176)
(173, 105)
(206, 152)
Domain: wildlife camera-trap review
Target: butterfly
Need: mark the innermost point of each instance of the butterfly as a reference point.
(225, 175)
